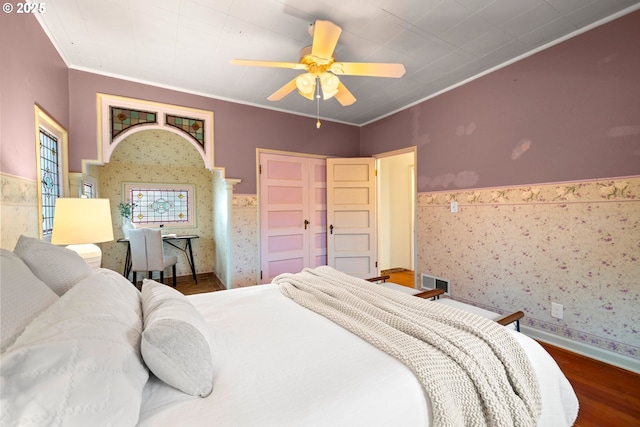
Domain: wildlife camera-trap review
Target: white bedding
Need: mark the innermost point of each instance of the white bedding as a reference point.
(279, 364)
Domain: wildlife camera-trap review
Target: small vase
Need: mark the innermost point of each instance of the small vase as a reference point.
(127, 226)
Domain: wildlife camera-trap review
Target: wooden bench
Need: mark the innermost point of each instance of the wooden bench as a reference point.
(434, 294)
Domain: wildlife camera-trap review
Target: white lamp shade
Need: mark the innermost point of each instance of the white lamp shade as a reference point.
(79, 221)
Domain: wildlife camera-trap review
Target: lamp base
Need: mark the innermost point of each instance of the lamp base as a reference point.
(90, 253)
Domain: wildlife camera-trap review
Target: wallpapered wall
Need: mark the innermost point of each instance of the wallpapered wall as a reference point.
(522, 248)
(512, 248)
(245, 240)
(221, 228)
(161, 157)
(18, 210)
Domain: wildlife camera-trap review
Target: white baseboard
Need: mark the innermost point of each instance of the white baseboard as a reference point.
(619, 360)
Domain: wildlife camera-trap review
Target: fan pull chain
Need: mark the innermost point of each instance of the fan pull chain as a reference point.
(318, 95)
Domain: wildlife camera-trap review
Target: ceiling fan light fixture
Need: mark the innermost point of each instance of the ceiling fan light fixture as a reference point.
(321, 78)
(329, 83)
(306, 84)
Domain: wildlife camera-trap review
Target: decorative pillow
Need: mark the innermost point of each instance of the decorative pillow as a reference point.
(23, 297)
(78, 363)
(175, 341)
(60, 268)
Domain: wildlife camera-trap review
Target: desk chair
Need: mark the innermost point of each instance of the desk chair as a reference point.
(147, 254)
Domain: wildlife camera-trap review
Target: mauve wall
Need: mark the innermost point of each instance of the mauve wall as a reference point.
(239, 129)
(32, 73)
(570, 112)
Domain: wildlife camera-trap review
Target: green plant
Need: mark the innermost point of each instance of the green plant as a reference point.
(126, 209)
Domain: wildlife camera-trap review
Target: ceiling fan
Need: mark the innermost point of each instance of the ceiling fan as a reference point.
(322, 71)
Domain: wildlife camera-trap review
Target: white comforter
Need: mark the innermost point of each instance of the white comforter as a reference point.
(279, 364)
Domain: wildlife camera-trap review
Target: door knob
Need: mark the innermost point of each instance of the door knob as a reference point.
(331, 229)
(305, 224)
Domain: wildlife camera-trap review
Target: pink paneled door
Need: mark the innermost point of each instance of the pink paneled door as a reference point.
(292, 214)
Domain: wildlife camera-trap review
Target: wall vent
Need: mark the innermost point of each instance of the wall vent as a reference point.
(428, 282)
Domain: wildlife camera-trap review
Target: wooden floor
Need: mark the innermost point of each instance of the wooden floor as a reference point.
(207, 282)
(401, 277)
(608, 396)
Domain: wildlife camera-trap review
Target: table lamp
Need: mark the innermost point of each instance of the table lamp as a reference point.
(80, 223)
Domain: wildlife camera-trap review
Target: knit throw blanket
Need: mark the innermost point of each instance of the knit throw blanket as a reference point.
(472, 369)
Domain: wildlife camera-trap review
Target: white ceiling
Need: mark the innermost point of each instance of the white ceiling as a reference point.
(187, 44)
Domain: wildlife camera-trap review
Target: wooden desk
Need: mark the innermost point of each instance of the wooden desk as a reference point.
(170, 240)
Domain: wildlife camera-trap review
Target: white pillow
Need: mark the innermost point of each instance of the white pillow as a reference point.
(23, 297)
(78, 363)
(175, 342)
(60, 268)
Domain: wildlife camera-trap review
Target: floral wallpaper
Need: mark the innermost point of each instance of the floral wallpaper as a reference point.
(221, 235)
(162, 157)
(18, 209)
(522, 248)
(245, 240)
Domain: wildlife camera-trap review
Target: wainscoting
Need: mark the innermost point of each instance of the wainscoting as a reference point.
(522, 248)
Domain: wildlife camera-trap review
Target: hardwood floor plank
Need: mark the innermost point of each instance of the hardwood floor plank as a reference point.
(402, 277)
(609, 396)
(207, 282)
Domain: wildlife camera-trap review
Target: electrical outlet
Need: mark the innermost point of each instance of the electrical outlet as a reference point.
(557, 310)
(454, 207)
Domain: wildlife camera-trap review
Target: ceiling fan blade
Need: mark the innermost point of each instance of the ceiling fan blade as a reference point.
(254, 63)
(325, 39)
(372, 69)
(283, 91)
(343, 96)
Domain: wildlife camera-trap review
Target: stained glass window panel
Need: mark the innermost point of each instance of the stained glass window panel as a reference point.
(168, 204)
(123, 119)
(193, 127)
(50, 178)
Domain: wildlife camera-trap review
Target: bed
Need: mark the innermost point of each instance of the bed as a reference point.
(83, 347)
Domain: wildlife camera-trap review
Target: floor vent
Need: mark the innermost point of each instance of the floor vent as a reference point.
(428, 282)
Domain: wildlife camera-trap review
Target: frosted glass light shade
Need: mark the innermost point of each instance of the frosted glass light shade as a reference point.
(306, 84)
(329, 84)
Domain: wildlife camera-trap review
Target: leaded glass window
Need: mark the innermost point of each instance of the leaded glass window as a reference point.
(166, 204)
(87, 190)
(50, 178)
(191, 126)
(123, 119)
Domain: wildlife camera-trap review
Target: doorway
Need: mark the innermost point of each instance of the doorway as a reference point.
(394, 214)
(396, 210)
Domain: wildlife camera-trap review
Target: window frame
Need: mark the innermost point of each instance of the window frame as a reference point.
(191, 188)
(92, 183)
(45, 122)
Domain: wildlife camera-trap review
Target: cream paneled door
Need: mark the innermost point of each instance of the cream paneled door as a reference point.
(318, 208)
(292, 214)
(351, 203)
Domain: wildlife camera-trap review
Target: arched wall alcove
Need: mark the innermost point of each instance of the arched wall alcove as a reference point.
(130, 128)
(159, 156)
